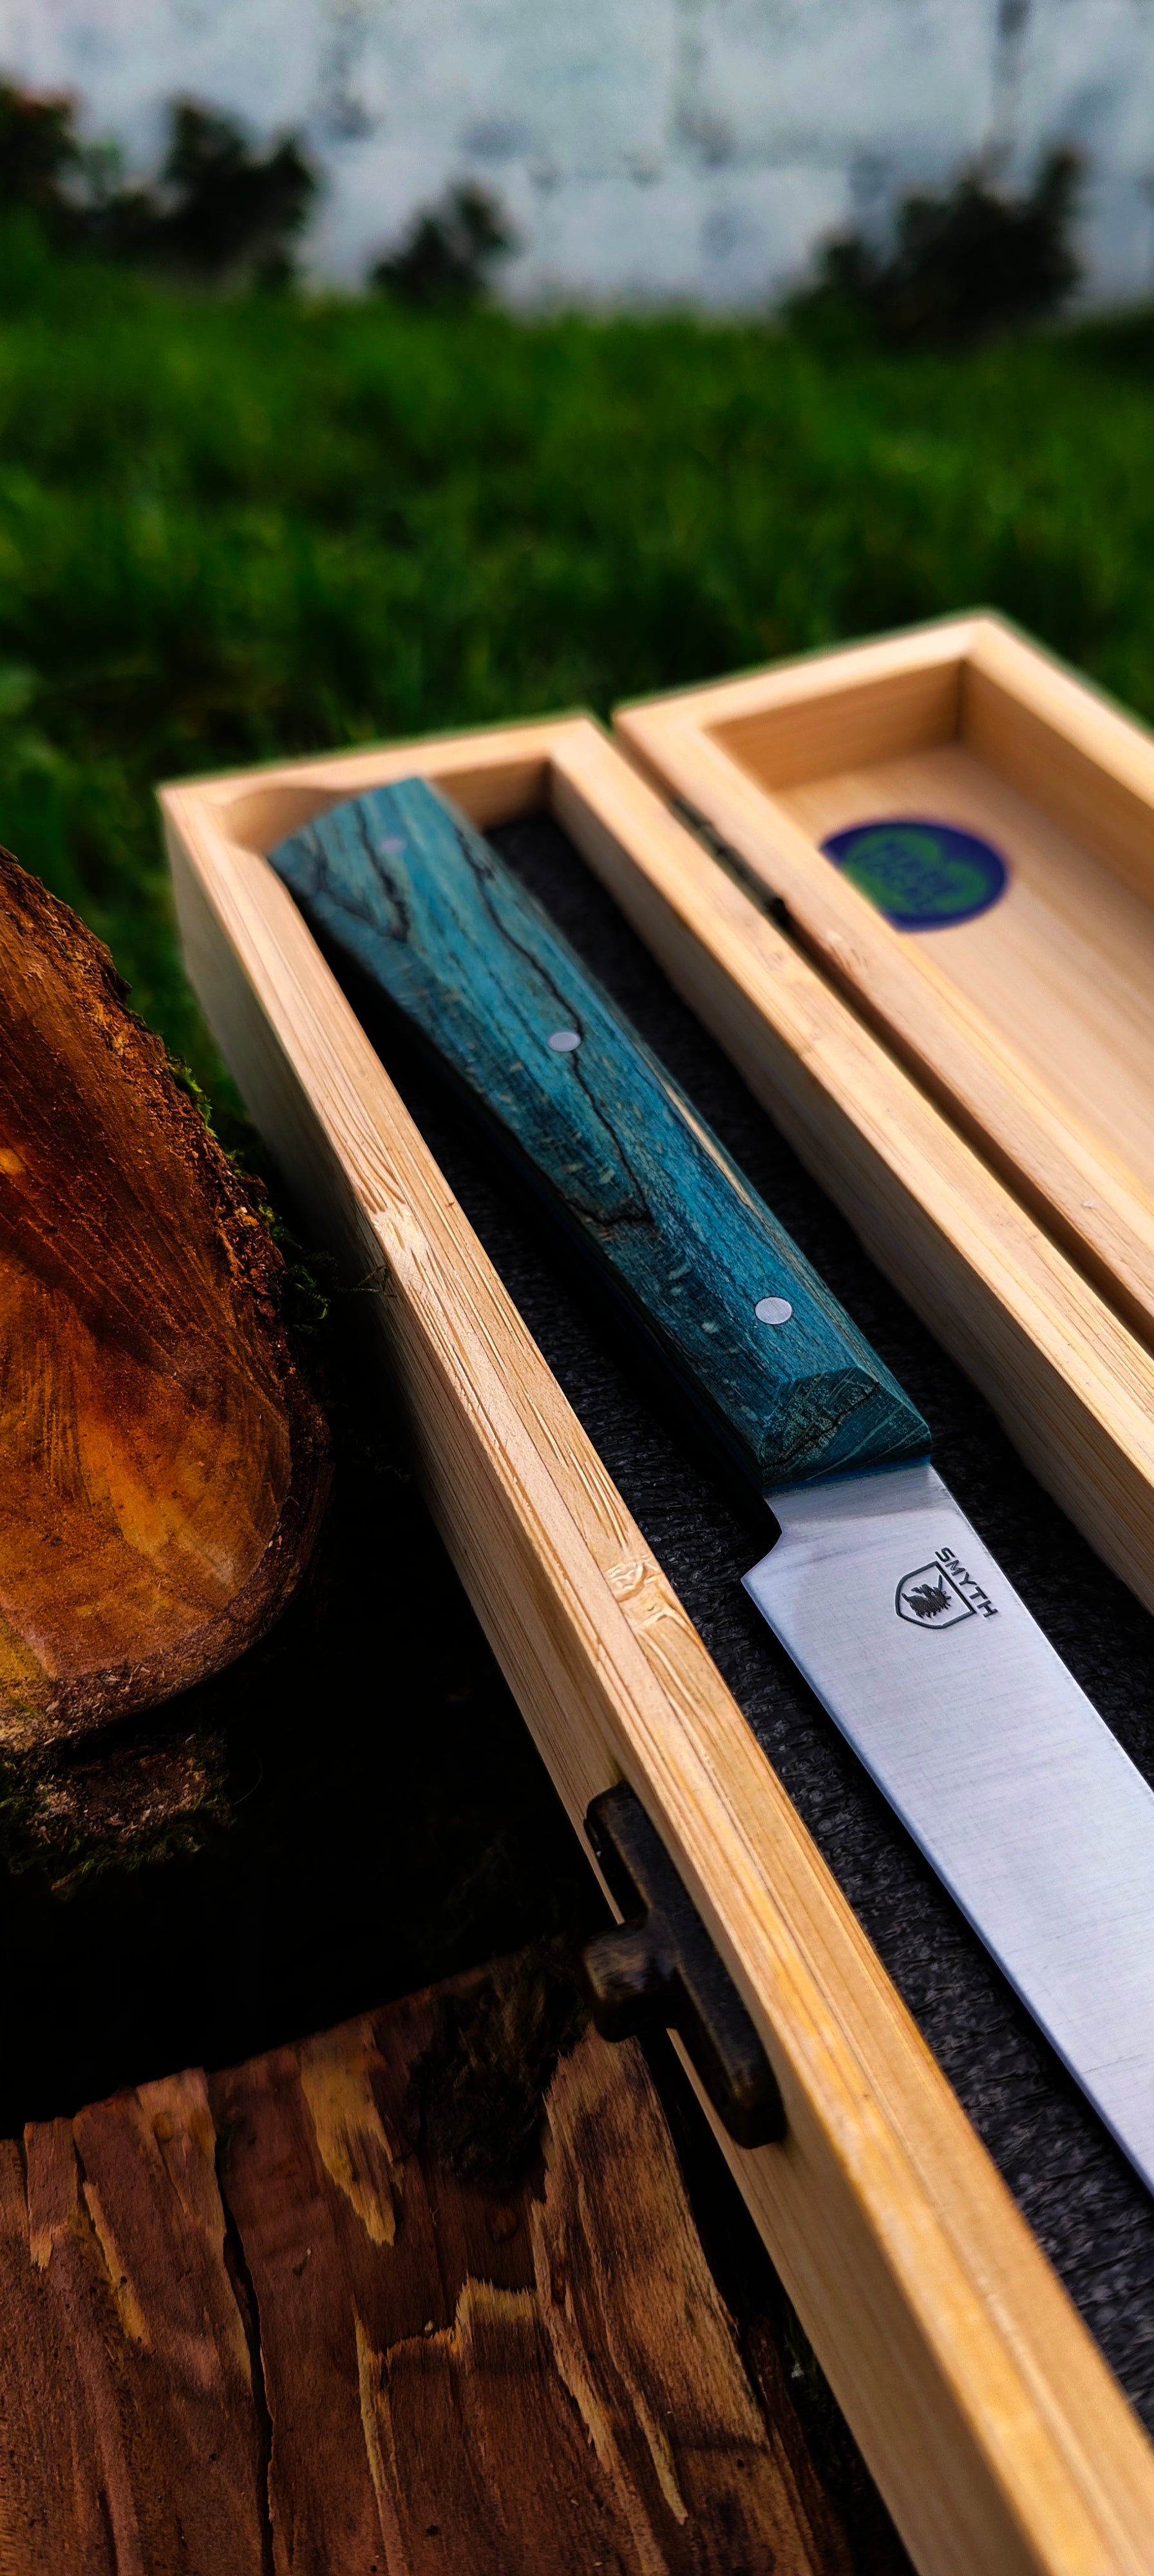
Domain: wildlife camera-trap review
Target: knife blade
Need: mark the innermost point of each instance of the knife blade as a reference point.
(877, 1585)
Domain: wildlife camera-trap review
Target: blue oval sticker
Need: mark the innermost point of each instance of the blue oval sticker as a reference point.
(921, 875)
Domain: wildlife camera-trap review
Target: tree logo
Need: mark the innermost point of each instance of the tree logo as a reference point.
(930, 1598)
(921, 875)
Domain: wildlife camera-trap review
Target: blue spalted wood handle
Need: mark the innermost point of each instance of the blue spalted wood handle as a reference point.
(398, 884)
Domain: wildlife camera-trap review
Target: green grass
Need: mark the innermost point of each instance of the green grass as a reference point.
(235, 530)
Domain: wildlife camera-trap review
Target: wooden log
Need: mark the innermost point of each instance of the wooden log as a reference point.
(163, 1461)
(344, 2358)
(141, 1798)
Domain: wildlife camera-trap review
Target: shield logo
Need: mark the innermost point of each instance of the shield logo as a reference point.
(929, 1598)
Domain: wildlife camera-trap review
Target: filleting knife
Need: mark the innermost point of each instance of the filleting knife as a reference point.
(879, 1588)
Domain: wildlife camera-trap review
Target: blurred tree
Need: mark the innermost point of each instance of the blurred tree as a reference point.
(964, 266)
(218, 211)
(447, 256)
(39, 150)
(222, 208)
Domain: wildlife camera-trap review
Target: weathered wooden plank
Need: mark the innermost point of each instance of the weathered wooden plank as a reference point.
(611, 2387)
(642, 2340)
(317, 2184)
(130, 2443)
(50, 2488)
(493, 2381)
(538, 2378)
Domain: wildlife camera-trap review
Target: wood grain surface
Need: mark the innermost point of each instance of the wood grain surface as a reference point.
(251, 2326)
(400, 887)
(162, 1463)
(1064, 961)
(129, 2439)
(997, 2435)
(1031, 1025)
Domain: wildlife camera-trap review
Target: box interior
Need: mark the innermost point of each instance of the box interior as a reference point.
(1063, 963)
(259, 817)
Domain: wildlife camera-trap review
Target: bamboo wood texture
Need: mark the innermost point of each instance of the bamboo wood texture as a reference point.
(251, 2325)
(996, 2432)
(399, 886)
(1032, 1024)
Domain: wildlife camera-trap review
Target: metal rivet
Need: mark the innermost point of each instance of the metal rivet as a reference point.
(563, 1041)
(773, 1310)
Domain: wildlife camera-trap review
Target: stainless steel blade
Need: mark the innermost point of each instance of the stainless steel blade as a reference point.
(994, 1758)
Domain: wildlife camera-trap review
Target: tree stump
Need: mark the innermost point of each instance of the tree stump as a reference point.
(163, 1463)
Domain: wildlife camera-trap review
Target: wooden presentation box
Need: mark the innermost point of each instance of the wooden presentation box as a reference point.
(996, 2432)
(1030, 1026)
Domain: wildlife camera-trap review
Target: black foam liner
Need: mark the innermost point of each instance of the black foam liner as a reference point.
(1090, 2213)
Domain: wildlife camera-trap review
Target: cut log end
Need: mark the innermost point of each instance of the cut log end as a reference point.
(164, 1462)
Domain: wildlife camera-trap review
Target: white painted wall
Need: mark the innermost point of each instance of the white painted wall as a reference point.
(647, 149)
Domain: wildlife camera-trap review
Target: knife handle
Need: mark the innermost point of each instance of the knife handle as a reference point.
(397, 885)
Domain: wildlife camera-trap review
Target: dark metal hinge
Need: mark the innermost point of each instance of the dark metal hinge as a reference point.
(737, 867)
(659, 1970)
